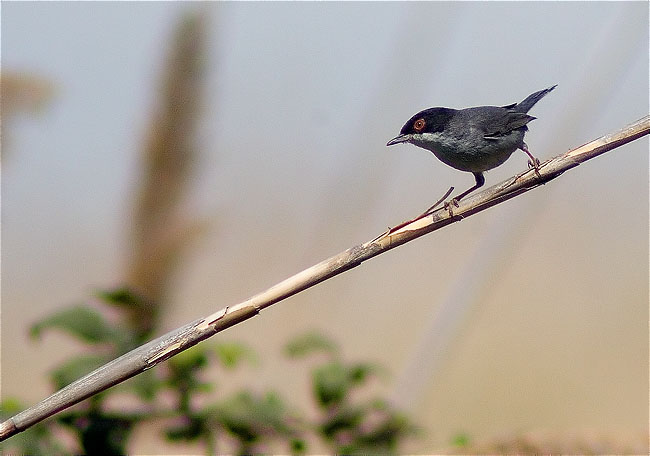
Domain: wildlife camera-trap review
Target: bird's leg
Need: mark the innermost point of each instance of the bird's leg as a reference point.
(533, 162)
(422, 215)
(437, 203)
(480, 180)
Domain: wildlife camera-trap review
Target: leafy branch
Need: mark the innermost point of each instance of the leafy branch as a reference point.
(178, 400)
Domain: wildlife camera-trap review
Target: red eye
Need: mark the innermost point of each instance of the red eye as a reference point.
(419, 125)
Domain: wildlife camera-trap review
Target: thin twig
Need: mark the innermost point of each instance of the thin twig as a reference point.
(174, 342)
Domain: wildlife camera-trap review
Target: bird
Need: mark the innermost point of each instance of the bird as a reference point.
(472, 139)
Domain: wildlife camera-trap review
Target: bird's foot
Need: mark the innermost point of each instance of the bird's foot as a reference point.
(449, 205)
(535, 165)
(533, 162)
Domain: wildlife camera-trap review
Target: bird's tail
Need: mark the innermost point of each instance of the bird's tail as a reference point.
(533, 98)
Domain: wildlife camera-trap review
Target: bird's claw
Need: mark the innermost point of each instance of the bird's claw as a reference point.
(535, 165)
(449, 205)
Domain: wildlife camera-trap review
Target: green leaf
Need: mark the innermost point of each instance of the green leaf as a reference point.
(103, 434)
(331, 383)
(79, 321)
(191, 429)
(232, 353)
(236, 415)
(379, 404)
(189, 360)
(386, 433)
(10, 406)
(250, 418)
(460, 440)
(271, 409)
(76, 368)
(346, 419)
(145, 385)
(298, 446)
(122, 296)
(361, 371)
(310, 343)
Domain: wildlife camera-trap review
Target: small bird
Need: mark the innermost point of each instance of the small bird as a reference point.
(472, 139)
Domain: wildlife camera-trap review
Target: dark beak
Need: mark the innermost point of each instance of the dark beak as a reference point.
(399, 139)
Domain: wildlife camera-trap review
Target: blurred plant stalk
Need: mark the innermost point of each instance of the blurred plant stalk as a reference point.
(161, 229)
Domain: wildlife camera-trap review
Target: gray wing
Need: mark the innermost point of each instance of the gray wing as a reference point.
(502, 122)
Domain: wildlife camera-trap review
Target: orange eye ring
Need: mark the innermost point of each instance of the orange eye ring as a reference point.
(419, 125)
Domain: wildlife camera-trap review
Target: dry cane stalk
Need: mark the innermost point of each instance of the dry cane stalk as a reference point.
(174, 342)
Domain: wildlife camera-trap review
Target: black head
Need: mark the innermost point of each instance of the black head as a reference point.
(432, 120)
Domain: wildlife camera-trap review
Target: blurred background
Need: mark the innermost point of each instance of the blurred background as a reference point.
(531, 317)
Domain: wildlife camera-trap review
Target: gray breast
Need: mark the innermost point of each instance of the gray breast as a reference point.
(471, 152)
